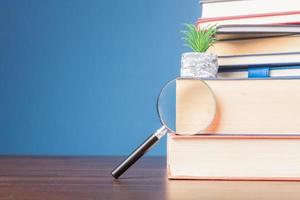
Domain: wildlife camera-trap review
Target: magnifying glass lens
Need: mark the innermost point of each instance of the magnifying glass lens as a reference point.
(186, 106)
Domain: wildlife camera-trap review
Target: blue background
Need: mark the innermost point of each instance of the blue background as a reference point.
(81, 77)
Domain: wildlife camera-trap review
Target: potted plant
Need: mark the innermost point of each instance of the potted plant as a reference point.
(199, 64)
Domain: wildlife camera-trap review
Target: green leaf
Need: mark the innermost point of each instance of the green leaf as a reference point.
(199, 40)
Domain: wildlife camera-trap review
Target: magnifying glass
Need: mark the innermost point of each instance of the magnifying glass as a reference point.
(185, 106)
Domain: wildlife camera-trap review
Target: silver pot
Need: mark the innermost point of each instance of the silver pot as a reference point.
(199, 65)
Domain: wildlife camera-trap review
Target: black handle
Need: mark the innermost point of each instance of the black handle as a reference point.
(134, 156)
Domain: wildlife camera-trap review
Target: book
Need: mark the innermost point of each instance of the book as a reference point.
(269, 45)
(279, 59)
(260, 72)
(292, 17)
(233, 157)
(244, 107)
(220, 8)
(232, 190)
(246, 31)
(270, 51)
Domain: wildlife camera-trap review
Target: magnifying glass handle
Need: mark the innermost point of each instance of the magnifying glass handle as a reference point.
(138, 152)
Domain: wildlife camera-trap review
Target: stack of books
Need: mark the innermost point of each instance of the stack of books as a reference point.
(256, 131)
(254, 33)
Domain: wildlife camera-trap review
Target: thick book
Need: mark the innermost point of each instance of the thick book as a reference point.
(292, 17)
(220, 8)
(244, 107)
(233, 157)
(259, 72)
(257, 46)
(246, 31)
(270, 51)
(251, 60)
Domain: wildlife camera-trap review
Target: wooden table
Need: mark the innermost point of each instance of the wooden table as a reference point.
(88, 178)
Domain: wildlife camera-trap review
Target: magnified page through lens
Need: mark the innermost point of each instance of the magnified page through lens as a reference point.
(195, 106)
(186, 106)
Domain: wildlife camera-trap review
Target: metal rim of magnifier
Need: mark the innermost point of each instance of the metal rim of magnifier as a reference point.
(183, 78)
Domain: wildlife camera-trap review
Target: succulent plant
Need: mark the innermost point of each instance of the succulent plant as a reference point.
(199, 39)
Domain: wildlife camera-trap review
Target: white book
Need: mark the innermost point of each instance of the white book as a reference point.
(244, 107)
(246, 31)
(233, 157)
(278, 59)
(275, 72)
(221, 8)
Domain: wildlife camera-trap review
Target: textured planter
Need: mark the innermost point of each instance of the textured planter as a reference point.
(199, 65)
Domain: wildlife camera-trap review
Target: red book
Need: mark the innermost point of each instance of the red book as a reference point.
(291, 17)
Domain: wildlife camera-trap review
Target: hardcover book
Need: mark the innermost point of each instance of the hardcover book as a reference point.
(219, 8)
(244, 107)
(252, 60)
(292, 17)
(259, 72)
(258, 46)
(246, 31)
(233, 157)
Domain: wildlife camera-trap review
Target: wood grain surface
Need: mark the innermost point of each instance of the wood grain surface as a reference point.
(76, 178)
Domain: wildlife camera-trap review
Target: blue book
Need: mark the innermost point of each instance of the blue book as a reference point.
(260, 72)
